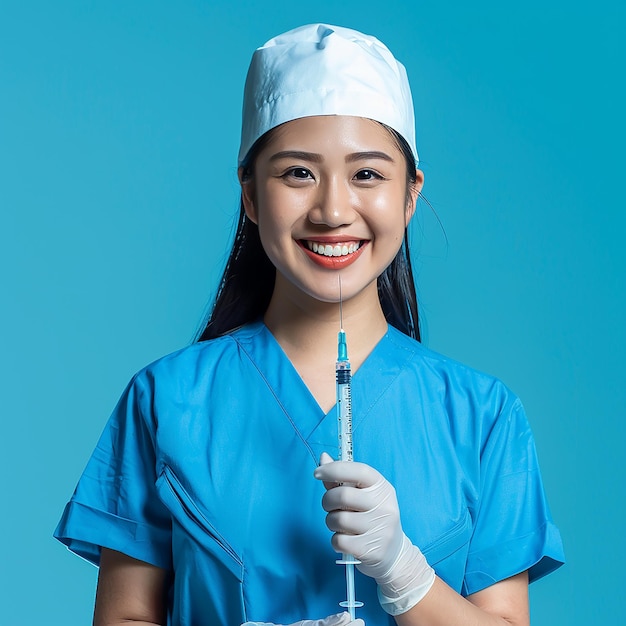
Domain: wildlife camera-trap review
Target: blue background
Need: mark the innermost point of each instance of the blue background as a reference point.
(118, 140)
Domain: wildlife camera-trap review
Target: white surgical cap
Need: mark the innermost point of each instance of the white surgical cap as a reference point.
(325, 70)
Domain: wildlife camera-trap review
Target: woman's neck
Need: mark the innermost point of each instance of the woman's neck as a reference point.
(306, 329)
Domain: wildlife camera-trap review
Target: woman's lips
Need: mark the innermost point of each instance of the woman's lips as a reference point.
(333, 254)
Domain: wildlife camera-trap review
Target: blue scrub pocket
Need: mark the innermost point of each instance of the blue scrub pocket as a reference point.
(447, 555)
(207, 571)
(195, 523)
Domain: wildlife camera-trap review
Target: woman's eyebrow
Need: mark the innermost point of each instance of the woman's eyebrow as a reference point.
(313, 157)
(298, 155)
(370, 154)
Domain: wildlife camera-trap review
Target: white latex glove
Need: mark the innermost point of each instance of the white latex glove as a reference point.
(341, 619)
(364, 515)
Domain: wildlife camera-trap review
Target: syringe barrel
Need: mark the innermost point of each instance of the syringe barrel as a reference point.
(344, 424)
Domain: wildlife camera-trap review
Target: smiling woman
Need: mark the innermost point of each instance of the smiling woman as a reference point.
(248, 281)
(205, 502)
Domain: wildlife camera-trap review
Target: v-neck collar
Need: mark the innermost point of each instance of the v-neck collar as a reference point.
(316, 429)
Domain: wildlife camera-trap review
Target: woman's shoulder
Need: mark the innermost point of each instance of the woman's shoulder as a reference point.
(441, 372)
(187, 364)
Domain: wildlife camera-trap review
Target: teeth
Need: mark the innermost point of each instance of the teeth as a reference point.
(336, 250)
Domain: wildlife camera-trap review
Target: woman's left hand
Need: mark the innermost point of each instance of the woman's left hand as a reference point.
(341, 619)
(364, 515)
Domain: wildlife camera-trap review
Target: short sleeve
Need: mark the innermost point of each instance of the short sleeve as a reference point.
(115, 504)
(513, 527)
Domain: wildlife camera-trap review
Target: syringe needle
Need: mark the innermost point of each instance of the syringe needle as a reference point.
(340, 304)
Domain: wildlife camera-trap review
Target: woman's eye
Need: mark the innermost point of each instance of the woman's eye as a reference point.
(367, 175)
(299, 172)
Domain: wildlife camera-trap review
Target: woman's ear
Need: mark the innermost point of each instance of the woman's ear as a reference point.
(414, 192)
(247, 196)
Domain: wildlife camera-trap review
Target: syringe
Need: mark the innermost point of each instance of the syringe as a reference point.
(344, 426)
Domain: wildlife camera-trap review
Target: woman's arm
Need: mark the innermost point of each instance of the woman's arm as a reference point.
(503, 604)
(129, 591)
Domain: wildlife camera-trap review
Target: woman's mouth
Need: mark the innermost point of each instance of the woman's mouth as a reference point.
(333, 254)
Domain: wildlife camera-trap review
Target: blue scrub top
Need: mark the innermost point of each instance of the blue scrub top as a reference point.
(206, 467)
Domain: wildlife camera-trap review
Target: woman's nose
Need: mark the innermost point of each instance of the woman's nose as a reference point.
(333, 205)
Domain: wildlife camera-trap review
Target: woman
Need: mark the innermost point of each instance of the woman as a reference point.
(200, 503)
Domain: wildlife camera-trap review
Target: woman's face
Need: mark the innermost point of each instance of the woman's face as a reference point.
(329, 195)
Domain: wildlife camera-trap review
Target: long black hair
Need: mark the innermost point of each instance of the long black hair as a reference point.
(247, 283)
